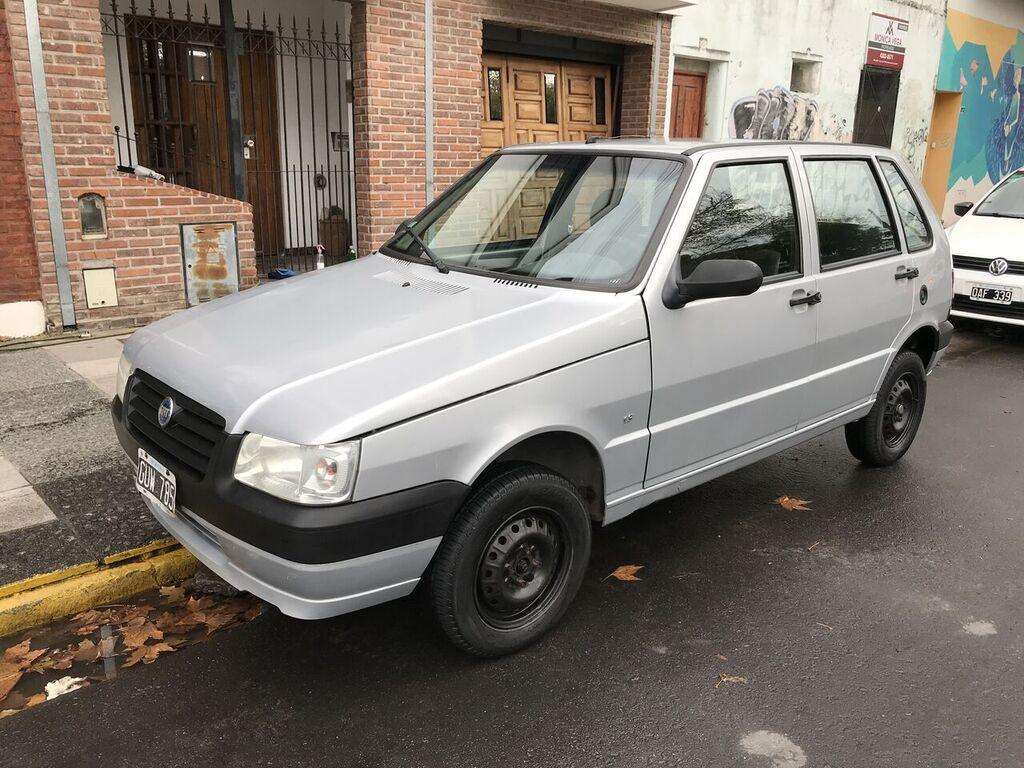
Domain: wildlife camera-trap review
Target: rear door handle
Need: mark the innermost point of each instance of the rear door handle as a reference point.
(907, 274)
(810, 299)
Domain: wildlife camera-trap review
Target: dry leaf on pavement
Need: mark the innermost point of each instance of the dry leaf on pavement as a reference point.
(137, 633)
(792, 504)
(724, 679)
(625, 573)
(173, 594)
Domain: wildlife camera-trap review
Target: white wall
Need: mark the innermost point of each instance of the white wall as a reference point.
(752, 43)
(293, 92)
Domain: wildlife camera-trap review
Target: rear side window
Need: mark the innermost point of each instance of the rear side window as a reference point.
(915, 225)
(853, 219)
(746, 212)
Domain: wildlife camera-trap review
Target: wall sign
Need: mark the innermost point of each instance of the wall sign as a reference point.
(887, 37)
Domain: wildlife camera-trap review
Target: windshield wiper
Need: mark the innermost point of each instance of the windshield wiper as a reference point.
(436, 260)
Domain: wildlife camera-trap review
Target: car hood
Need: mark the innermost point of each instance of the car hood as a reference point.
(352, 348)
(987, 237)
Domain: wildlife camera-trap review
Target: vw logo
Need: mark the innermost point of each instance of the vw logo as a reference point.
(166, 412)
(999, 266)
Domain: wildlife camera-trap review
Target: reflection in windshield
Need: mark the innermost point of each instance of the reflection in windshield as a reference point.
(1006, 200)
(574, 218)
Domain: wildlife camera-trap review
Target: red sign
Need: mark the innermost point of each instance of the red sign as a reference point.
(887, 41)
(888, 59)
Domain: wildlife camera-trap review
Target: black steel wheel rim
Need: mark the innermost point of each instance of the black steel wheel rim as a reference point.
(522, 568)
(901, 411)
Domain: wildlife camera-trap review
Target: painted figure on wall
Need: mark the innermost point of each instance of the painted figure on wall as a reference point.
(985, 62)
(781, 114)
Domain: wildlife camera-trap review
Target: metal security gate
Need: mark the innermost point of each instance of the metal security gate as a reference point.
(876, 107)
(256, 111)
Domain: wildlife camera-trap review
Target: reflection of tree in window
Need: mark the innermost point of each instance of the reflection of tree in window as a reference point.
(853, 221)
(746, 212)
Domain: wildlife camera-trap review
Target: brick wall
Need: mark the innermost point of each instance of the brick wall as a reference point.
(387, 41)
(143, 214)
(19, 274)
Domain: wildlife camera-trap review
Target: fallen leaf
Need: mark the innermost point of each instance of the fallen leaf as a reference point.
(9, 677)
(625, 573)
(724, 679)
(134, 657)
(173, 594)
(722, 657)
(792, 504)
(136, 634)
(39, 698)
(87, 629)
(152, 651)
(200, 604)
(87, 651)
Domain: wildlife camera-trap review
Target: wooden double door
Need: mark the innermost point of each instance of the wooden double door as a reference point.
(528, 100)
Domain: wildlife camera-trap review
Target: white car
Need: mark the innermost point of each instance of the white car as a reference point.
(988, 255)
(570, 333)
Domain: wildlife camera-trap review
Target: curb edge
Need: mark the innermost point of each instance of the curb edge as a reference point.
(94, 586)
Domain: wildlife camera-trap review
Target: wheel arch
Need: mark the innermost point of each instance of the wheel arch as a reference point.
(565, 452)
(925, 342)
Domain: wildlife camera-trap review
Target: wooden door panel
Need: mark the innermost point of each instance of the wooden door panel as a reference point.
(688, 93)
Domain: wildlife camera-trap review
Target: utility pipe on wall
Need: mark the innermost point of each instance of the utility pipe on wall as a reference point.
(49, 159)
(428, 97)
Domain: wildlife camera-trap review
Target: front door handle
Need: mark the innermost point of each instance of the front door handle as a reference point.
(907, 274)
(810, 299)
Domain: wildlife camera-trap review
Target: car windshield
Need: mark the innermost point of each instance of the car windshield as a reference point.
(581, 219)
(1006, 200)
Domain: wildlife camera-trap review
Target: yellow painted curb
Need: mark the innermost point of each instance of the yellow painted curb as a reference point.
(32, 607)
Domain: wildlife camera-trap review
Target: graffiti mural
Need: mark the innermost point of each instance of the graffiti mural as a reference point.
(984, 61)
(781, 114)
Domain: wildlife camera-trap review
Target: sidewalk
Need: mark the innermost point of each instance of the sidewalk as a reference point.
(67, 494)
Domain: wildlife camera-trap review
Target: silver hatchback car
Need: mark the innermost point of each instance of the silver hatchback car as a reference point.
(571, 332)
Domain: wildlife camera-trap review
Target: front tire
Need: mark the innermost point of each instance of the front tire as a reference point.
(887, 432)
(512, 562)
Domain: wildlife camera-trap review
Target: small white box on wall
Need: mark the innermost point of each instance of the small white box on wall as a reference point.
(100, 287)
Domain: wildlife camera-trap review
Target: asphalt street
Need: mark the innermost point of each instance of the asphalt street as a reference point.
(884, 626)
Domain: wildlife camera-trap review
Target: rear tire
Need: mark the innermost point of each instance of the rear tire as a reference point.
(511, 562)
(887, 432)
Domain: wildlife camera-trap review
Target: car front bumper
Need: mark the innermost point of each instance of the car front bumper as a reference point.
(302, 590)
(963, 306)
(311, 562)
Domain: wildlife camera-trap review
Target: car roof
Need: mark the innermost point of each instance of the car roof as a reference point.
(639, 145)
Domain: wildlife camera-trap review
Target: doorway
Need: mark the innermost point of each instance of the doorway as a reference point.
(876, 106)
(527, 100)
(938, 158)
(689, 91)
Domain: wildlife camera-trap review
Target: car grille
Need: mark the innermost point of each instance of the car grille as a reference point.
(972, 262)
(1014, 310)
(186, 444)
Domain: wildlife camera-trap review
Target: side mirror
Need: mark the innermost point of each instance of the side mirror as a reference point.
(714, 278)
(961, 209)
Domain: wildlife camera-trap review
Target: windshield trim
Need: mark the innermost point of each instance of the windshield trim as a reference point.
(651, 248)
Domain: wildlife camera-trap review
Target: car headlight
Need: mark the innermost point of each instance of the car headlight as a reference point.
(124, 372)
(306, 474)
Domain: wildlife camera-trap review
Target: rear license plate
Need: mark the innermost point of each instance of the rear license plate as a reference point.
(991, 294)
(156, 482)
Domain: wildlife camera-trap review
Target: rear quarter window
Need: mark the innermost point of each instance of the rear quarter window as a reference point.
(915, 225)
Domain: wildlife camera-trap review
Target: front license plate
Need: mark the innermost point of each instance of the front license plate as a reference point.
(991, 294)
(156, 482)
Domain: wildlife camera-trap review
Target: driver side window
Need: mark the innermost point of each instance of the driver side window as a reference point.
(746, 212)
